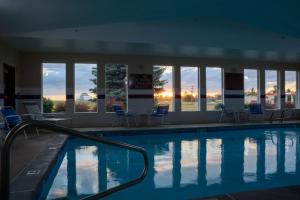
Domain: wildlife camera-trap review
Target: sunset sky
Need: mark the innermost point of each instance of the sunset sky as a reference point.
(54, 80)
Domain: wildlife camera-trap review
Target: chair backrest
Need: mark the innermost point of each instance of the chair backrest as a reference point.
(34, 109)
(118, 110)
(8, 111)
(255, 108)
(162, 109)
(10, 116)
(223, 108)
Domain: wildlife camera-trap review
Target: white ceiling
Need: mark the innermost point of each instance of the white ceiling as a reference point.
(217, 28)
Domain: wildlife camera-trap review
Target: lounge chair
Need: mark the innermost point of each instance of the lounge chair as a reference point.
(33, 108)
(122, 116)
(11, 119)
(226, 112)
(161, 112)
(255, 109)
(280, 115)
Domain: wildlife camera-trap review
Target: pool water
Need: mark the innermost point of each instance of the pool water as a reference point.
(184, 165)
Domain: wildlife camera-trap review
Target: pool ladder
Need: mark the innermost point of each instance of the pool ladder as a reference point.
(11, 136)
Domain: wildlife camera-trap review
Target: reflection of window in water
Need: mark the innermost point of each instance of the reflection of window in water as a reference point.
(59, 187)
(163, 85)
(271, 153)
(250, 159)
(86, 170)
(189, 162)
(213, 161)
(290, 152)
(163, 166)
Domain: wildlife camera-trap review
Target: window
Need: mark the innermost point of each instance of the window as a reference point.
(85, 87)
(250, 87)
(271, 85)
(163, 86)
(290, 89)
(54, 87)
(214, 96)
(189, 89)
(115, 86)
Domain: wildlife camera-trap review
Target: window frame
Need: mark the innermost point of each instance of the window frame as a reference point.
(278, 96)
(222, 87)
(173, 84)
(74, 87)
(198, 88)
(258, 100)
(42, 86)
(127, 89)
(296, 89)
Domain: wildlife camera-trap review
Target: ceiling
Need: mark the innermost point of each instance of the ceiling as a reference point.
(253, 29)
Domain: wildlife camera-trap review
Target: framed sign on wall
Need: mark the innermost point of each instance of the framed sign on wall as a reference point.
(140, 81)
(234, 81)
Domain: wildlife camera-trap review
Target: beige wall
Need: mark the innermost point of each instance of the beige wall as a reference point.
(29, 82)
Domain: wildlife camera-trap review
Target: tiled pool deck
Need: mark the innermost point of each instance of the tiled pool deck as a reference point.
(31, 160)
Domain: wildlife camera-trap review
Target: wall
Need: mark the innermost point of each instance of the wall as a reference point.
(8, 56)
(140, 101)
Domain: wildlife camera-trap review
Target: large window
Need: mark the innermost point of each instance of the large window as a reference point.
(271, 84)
(163, 86)
(115, 86)
(189, 89)
(85, 87)
(250, 86)
(290, 89)
(214, 96)
(54, 87)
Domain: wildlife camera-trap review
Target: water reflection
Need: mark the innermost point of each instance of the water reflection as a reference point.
(182, 166)
(250, 159)
(163, 165)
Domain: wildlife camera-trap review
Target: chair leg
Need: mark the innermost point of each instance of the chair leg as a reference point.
(37, 131)
(127, 121)
(25, 134)
(220, 120)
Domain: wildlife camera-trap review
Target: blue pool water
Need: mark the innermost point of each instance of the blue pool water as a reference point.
(184, 165)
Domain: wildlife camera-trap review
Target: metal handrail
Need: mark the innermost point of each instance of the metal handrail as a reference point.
(5, 156)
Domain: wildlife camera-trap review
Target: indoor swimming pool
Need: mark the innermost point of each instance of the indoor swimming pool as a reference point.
(182, 165)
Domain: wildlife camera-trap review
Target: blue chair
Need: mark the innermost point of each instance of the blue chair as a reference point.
(255, 109)
(11, 119)
(122, 116)
(226, 112)
(161, 112)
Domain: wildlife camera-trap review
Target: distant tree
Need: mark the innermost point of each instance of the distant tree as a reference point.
(94, 81)
(158, 84)
(48, 105)
(116, 83)
(60, 107)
